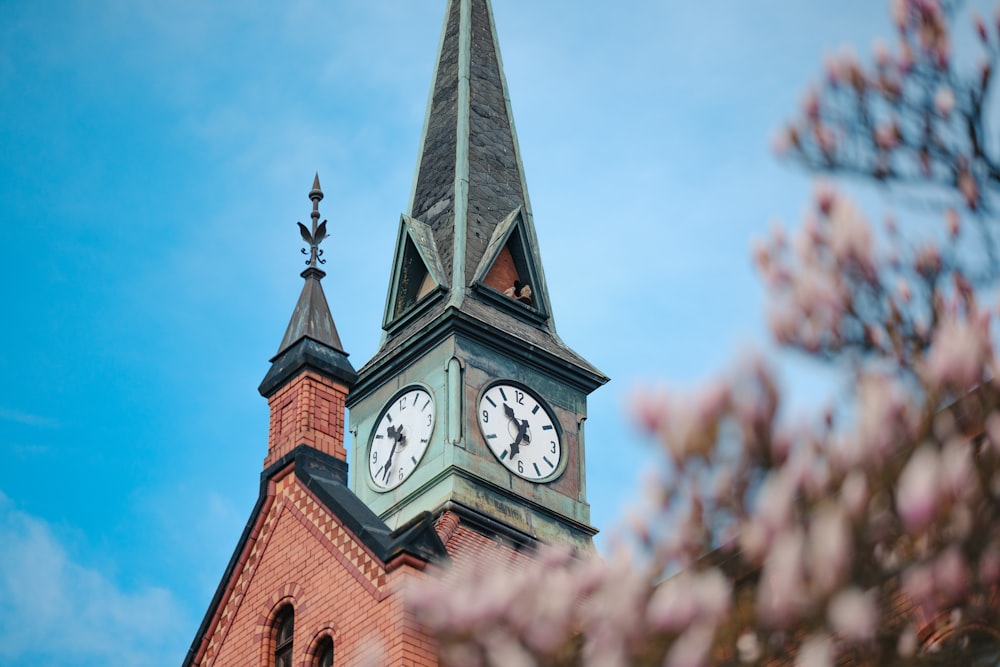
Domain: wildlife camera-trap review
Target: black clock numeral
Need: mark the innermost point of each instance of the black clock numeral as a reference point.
(402, 403)
(519, 397)
(374, 456)
(553, 450)
(520, 467)
(401, 474)
(429, 418)
(486, 416)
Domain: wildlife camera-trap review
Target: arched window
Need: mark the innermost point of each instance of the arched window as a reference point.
(324, 653)
(284, 630)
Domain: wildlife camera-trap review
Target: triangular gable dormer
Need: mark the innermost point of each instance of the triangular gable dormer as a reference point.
(507, 275)
(417, 275)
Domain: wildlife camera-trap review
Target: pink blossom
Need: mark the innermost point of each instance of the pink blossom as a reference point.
(950, 576)
(880, 405)
(918, 583)
(898, 8)
(957, 478)
(825, 196)
(748, 647)
(816, 651)
(691, 648)
(989, 565)
(887, 136)
(829, 549)
(674, 605)
(851, 236)
(928, 261)
(969, 188)
(774, 502)
(917, 493)
(810, 105)
(907, 645)
(952, 221)
(854, 494)
(958, 352)
(904, 291)
(944, 101)
(993, 431)
(784, 323)
(754, 540)
(853, 614)
(881, 51)
(781, 593)
(825, 138)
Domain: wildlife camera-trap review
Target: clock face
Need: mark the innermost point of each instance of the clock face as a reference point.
(400, 437)
(520, 431)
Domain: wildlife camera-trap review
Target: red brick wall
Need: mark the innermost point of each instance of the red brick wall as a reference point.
(308, 410)
(302, 556)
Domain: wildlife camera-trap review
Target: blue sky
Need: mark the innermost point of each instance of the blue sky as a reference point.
(154, 158)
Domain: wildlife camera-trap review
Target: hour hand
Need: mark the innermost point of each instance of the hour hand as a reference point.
(509, 411)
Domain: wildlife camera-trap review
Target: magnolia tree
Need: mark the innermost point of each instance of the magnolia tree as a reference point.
(869, 534)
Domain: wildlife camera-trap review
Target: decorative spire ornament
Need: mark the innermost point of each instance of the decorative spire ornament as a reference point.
(318, 232)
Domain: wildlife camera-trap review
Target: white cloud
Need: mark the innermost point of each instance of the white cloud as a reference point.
(55, 611)
(26, 418)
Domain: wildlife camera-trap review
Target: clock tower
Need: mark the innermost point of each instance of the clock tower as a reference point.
(472, 404)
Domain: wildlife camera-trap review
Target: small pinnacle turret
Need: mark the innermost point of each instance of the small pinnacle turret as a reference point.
(311, 339)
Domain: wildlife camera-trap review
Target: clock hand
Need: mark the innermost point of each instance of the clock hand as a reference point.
(397, 438)
(522, 436)
(509, 411)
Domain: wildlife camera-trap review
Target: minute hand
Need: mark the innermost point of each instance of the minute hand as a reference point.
(522, 436)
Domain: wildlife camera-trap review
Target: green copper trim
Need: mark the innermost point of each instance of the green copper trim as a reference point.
(462, 154)
(454, 405)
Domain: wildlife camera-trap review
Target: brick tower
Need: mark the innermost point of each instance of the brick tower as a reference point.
(467, 423)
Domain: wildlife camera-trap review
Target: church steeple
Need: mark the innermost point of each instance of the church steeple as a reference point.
(310, 375)
(467, 246)
(468, 327)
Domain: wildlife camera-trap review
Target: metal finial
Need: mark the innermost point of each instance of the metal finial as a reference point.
(318, 233)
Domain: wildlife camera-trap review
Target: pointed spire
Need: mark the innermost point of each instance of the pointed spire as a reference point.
(469, 176)
(311, 337)
(469, 194)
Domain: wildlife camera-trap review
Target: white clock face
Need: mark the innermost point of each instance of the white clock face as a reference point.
(400, 438)
(520, 431)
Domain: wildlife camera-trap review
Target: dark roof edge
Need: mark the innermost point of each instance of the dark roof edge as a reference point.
(326, 477)
(451, 321)
(312, 355)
